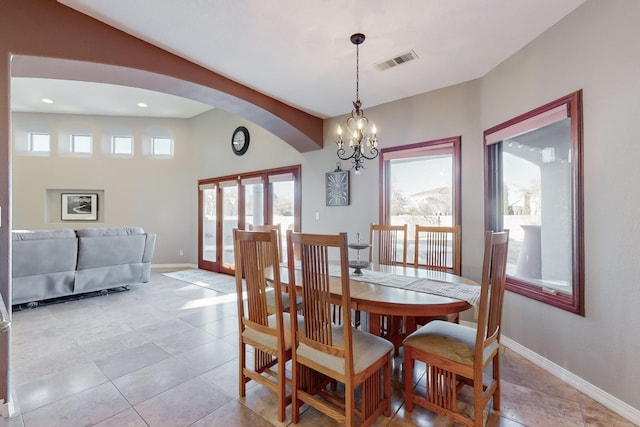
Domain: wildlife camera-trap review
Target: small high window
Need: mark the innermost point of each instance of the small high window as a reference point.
(122, 145)
(39, 142)
(81, 144)
(162, 146)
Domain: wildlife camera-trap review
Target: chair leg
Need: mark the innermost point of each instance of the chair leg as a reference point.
(478, 408)
(349, 405)
(282, 390)
(242, 363)
(387, 386)
(496, 378)
(295, 384)
(408, 379)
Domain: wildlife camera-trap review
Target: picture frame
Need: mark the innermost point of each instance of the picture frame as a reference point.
(338, 187)
(79, 206)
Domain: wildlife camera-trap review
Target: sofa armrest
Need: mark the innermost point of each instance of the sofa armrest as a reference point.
(149, 246)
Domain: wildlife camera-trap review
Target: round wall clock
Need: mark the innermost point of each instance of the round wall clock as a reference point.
(240, 141)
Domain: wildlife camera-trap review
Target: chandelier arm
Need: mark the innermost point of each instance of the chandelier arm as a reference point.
(341, 154)
(374, 153)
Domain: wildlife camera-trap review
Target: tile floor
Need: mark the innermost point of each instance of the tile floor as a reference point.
(165, 354)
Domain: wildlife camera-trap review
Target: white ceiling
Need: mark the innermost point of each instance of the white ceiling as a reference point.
(299, 51)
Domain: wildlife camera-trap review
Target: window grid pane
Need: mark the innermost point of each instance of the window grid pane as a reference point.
(81, 144)
(122, 145)
(39, 142)
(162, 146)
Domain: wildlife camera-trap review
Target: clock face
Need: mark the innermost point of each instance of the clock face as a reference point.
(240, 141)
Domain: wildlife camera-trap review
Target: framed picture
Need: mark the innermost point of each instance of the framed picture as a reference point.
(337, 188)
(79, 206)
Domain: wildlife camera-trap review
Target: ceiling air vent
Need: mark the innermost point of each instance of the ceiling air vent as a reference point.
(400, 59)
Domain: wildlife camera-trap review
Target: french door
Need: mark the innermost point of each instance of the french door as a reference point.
(263, 197)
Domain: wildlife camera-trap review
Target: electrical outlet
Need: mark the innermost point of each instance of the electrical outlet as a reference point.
(181, 252)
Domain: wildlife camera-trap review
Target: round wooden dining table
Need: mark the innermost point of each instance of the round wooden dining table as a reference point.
(382, 300)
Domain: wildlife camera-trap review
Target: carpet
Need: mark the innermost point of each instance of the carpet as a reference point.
(207, 279)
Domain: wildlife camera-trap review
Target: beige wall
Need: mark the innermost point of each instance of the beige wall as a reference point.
(158, 195)
(211, 135)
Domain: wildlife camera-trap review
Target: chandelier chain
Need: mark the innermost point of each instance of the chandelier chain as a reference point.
(357, 72)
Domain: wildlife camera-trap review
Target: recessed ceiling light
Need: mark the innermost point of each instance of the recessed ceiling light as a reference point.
(142, 105)
(47, 100)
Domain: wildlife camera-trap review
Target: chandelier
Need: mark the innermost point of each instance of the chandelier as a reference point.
(363, 145)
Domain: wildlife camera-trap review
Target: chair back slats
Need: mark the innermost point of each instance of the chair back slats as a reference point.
(437, 248)
(255, 256)
(316, 291)
(269, 227)
(316, 281)
(388, 244)
(492, 292)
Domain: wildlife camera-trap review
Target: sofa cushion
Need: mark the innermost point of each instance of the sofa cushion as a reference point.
(43, 252)
(94, 252)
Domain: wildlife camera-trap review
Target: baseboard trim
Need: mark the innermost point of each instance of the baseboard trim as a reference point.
(8, 409)
(160, 266)
(616, 405)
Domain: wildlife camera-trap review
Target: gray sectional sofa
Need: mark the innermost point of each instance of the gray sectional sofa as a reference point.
(55, 263)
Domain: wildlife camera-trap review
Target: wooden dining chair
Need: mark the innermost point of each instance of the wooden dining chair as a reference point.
(325, 353)
(389, 247)
(388, 244)
(269, 227)
(438, 249)
(456, 355)
(285, 295)
(267, 331)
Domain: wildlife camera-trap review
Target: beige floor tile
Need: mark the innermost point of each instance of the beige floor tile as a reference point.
(50, 388)
(534, 408)
(233, 414)
(127, 418)
(85, 408)
(152, 380)
(208, 356)
(182, 405)
(130, 360)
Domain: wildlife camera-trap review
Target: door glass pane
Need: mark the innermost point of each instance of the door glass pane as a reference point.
(229, 222)
(209, 224)
(283, 209)
(254, 204)
(537, 206)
